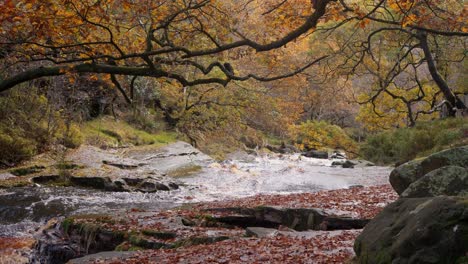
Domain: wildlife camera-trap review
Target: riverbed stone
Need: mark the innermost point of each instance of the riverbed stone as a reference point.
(417, 230)
(273, 216)
(102, 256)
(261, 232)
(348, 164)
(404, 175)
(448, 180)
(100, 183)
(316, 154)
(150, 186)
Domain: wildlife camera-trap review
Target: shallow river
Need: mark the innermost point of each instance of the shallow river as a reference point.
(23, 210)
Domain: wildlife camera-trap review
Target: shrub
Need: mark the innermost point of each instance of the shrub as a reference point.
(29, 124)
(404, 144)
(321, 135)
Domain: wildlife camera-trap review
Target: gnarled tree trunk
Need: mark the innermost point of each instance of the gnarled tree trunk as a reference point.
(451, 98)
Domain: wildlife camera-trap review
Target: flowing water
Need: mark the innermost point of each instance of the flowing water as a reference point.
(23, 210)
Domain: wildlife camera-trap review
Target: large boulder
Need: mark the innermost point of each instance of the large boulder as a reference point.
(402, 176)
(417, 230)
(448, 180)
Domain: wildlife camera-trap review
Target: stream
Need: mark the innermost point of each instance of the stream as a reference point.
(24, 210)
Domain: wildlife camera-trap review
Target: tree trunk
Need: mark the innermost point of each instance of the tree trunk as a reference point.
(438, 79)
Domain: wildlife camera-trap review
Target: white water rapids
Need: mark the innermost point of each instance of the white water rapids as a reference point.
(22, 210)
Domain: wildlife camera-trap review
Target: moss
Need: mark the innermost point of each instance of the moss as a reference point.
(124, 246)
(27, 170)
(66, 224)
(143, 242)
(68, 166)
(184, 171)
(135, 248)
(15, 182)
(109, 132)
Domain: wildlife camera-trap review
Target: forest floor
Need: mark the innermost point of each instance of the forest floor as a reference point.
(282, 246)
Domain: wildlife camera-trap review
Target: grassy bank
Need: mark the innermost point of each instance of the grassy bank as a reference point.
(404, 144)
(108, 132)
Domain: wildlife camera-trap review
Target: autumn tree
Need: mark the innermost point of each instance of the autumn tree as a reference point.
(157, 39)
(401, 45)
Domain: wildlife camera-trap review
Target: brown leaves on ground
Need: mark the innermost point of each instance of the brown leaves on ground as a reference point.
(358, 202)
(284, 247)
(326, 248)
(13, 250)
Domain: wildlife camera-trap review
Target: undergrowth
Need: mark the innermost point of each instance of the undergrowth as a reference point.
(108, 132)
(404, 144)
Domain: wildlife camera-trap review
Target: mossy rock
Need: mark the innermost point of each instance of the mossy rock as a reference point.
(159, 234)
(184, 171)
(147, 243)
(193, 241)
(404, 175)
(448, 180)
(27, 170)
(416, 230)
(52, 180)
(92, 237)
(15, 182)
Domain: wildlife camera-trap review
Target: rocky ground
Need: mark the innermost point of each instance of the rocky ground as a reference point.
(213, 226)
(216, 233)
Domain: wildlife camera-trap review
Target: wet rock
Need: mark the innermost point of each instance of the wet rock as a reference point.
(121, 185)
(173, 157)
(402, 176)
(348, 164)
(159, 234)
(338, 155)
(56, 253)
(295, 218)
(47, 179)
(448, 180)
(100, 183)
(193, 241)
(173, 186)
(27, 170)
(298, 219)
(120, 165)
(342, 223)
(288, 149)
(102, 256)
(276, 149)
(133, 181)
(417, 230)
(239, 221)
(316, 154)
(93, 238)
(338, 163)
(260, 232)
(147, 243)
(188, 222)
(150, 186)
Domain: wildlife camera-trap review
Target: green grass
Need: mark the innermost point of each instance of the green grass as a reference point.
(404, 144)
(113, 133)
